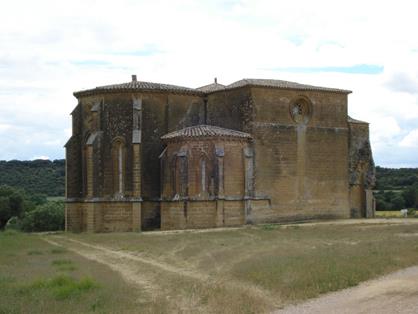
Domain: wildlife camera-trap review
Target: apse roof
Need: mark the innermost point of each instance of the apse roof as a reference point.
(205, 131)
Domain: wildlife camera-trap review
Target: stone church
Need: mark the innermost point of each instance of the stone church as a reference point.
(156, 156)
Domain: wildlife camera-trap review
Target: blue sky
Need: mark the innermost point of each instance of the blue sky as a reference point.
(52, 48)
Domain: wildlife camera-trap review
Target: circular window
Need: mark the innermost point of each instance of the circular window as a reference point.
(300, 110)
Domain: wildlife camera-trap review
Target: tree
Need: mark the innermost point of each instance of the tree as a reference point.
(398, 202)
(411, 196)
(11, 204)
(47, 217)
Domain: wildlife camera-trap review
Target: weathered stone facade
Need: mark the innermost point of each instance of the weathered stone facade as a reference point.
(147, 155)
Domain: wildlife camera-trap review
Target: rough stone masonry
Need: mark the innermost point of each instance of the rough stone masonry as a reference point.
(148, 155)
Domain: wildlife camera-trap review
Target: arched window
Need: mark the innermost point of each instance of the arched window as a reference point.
(180, 174)
(205, 176)
(301, 110)
(203, 179)
(118, 160)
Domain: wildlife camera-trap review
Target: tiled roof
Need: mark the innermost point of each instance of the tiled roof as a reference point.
(351, 120)
(135, 85)
(205, 131)
(283, 85)
(211, 88)
(139, 86)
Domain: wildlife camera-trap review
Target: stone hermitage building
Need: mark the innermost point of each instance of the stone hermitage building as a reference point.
(148, 155)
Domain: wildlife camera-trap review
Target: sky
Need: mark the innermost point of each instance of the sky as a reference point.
(49, 49)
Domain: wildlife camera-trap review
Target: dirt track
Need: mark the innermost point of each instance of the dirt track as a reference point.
(394, 293)
(141, 271)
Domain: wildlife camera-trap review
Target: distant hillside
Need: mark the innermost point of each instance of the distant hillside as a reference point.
(395, 179)
(37, 176)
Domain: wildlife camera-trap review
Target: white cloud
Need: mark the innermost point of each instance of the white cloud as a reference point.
(40, 157)
(59, 47)
(410, 140)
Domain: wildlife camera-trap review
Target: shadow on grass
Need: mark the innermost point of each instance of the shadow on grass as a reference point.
(58, 250)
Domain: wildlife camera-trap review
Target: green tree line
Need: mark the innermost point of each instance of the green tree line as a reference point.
(396, 188)
(29, 212)
(35, 177)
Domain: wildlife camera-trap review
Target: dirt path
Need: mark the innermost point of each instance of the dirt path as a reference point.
(394, 293)
(128, 272)
(141, 271)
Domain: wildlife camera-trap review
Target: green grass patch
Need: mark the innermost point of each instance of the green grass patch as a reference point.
(9, 233)
(49, 283)
(61, 287)
(269, 227)
(64, 265)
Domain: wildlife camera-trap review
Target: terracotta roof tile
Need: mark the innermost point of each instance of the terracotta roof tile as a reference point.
(283, 85)
(205, 131)
(211, 88)
(207, 89)
(139, 86)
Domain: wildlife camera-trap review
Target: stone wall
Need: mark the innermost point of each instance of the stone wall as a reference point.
(302, 167)
(201, 214)
(361, 170)
(229, 109)
(103, 216)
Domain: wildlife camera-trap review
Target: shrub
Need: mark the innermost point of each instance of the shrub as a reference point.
(46, 217)
(411, 212)
(11, 204)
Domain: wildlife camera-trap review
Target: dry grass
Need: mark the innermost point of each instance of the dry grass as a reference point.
(391, 214)
(245, 270)
(34, 279)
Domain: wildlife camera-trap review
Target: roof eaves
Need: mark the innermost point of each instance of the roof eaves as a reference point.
(90, 92)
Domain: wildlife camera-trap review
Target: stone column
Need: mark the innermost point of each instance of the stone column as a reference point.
(220, 153)
(89, 161)
(136, 170)
(249, 182)
(220, 212)
(369, 203)
(136, 163)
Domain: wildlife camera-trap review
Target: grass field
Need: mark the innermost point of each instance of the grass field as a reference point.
(245, 270)
(56, 198)
(391, 214)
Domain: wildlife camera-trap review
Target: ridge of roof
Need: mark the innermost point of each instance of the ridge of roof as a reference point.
(211, 88)
(204, 130)
(270, 83)
(139, 85)
(135, 85)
